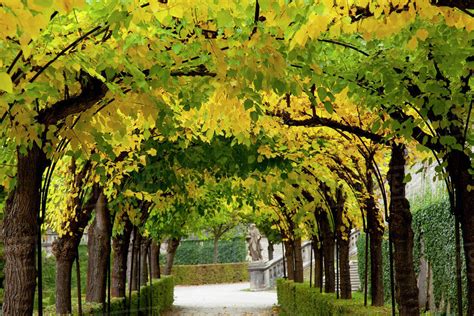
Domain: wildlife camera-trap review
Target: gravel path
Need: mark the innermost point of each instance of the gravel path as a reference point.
(223, 300)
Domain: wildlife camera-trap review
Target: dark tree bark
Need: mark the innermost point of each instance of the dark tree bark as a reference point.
(20, 233)
(98, 250)
(63, 285)
(173, 244)
(145, 246)
(135, 247)
(299, 272)
(317, 251)
(328, 255)
(375, 229)
(402, 235)
(119, 265)
(458, 169)
(345, 271)
(270, 250)
(155, 260)
(343, 229)
(290, 259)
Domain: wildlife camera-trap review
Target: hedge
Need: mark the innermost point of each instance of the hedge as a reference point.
(161, 292)
(210, 273)
(202, 252)
(298, 299)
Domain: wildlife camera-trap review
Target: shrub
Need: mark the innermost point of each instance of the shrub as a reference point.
(202, 251)
(210, 273)
(153, 301)
(299, 299)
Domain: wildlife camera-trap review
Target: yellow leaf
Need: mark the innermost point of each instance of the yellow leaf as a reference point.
(177, 11)
(6, 82)
(152, 152)
(422, 34)
(412, 44)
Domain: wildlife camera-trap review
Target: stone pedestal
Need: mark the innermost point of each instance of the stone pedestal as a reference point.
(258, 271)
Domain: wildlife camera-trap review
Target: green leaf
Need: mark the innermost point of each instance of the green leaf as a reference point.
(328, 106)
(248, 104)
(322, 93)
(407, 178)
(376, 126)
(254, 116)
(6, 82)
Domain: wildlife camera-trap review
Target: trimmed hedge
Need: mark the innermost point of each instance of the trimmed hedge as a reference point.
(298, 299)
(161, 293)
(210, 273)
(202, 251)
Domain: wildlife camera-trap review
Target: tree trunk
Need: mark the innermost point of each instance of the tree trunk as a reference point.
(98, 248)
(145, 246)
(155, 260)
(458, 168)
(135, 244)
(63, 286)
(270, 250)
(402, 235)
(20, 233)
(119, 265)
(173, 244)
(65, 251)
(299, 273)
(290, 260)
(65, 248)
(317, 261)
(328, 255)
(345, 271)
(375, 229)
(216, 250)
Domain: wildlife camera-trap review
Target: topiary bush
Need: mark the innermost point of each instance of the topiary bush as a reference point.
(298, 299)
(210, 273)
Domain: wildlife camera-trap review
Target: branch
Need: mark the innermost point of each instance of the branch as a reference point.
(64, 51)
(459, 4)
(327, 122)
(93, 91)
(344, 45)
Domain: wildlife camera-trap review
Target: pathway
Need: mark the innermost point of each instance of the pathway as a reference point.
(222, 300)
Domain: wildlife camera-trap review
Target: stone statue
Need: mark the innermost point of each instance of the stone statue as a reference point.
(253, 239)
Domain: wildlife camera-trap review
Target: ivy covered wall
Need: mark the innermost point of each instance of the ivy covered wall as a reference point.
(434, 225)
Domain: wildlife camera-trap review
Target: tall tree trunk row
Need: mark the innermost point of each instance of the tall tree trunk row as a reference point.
(20, 233)
(402, 235)
(98, 249)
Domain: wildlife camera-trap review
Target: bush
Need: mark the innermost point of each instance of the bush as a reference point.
(299, 299)
(153, 301)
(202, 251)
(210, 273)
